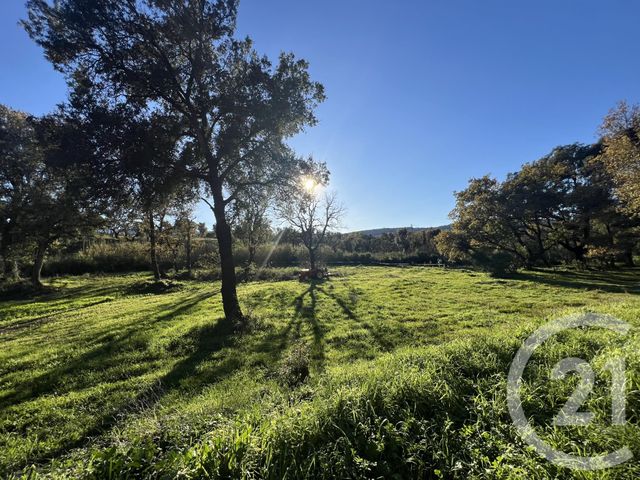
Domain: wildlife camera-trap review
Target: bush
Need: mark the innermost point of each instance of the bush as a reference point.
(496, 263)
(121, 256)
(118, 256)
(101, 257)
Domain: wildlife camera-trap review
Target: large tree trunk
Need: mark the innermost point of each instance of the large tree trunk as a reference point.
(153, 248)
(38, 262)
(578, 251)
(230, 304)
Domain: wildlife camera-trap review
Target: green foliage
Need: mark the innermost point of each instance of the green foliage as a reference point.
(621, 154)
(41, 201)
(496, 263)
(101, 257)
(122, 256)
(104, 379)
(233, 108)
(118, 256)
(558, 209)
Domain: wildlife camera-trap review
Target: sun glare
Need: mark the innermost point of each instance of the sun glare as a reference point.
(309, 184)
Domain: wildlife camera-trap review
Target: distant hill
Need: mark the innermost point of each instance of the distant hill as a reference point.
(377, 232)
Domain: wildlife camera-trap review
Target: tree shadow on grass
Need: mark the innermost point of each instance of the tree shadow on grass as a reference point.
(112, 346)
(207, 340)
(32, 322)
(347, 309)
(186, 375)
(110, 355)
(61, 292)
(308, 313)
(622, 281)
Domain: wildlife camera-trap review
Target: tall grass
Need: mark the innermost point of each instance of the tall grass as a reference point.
(437, 412)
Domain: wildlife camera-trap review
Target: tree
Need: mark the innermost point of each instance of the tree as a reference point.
(179, 234)
(123, 222)
(403, 240)
(131, 154)
(620, 132)
(19, 157)
(484, 218)
(453, 245)
(558, 199)
(42, 201)
(56, 212)
(309, 211)
(187, 229)
(252, 226)
(156, 189)
(234, 107)
(562, 204)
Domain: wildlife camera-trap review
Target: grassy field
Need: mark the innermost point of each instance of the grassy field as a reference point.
(103, 377)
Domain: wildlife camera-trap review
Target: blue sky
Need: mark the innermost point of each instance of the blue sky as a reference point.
(422, 95)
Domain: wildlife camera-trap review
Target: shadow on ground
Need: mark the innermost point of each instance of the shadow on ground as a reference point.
(202, 357)
(618, 281)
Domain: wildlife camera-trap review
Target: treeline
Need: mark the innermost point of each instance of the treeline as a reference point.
(119, 250)
(579, 205)
(88, 195)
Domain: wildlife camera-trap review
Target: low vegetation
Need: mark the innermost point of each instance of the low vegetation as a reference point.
(374, 372)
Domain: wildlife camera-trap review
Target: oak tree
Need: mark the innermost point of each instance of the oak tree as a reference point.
(235, 107)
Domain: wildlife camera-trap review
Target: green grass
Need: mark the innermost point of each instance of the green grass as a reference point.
(99, 378)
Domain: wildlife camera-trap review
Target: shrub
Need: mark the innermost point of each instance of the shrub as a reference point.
(496, 263)
(100, 257)
(117, 256)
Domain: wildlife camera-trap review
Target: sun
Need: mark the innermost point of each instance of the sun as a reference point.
(309, 184)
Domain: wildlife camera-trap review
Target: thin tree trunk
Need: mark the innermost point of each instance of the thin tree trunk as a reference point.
(9, 267)
(252, 254)
(230, 303)
(36, 275)
(15, 271)
(10, 270)
(6, 267)
(188, 247)
(312, 259)
(155, 267)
